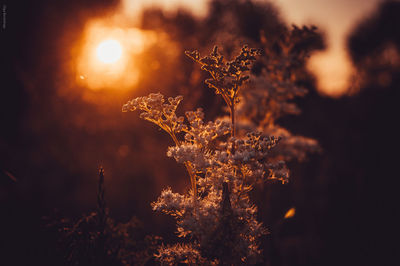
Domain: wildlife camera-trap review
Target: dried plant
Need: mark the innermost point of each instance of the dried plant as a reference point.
(270, 95)
(96, 239)
(227, 78)
(217, 216)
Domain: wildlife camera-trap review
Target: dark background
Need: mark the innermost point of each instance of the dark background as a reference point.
(52, 143)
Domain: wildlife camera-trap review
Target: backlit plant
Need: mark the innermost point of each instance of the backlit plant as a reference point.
(216, 217)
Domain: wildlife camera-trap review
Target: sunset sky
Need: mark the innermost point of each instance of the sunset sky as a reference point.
(335, 18)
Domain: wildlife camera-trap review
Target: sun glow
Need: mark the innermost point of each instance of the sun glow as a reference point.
(109, 56)
(109, 51)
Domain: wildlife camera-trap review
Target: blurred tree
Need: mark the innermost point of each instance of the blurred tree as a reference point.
(375, 47)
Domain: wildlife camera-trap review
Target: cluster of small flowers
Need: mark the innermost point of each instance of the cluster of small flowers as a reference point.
(272, 93)
(181, 253)
(291, 147)
(226, 77)
(222, 232)
(202, 134)
(197, 147)
(273, 90)
(213, 159)
(156, 111)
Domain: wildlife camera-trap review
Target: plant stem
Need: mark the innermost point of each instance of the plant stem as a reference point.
(233, 130)
(189, 169)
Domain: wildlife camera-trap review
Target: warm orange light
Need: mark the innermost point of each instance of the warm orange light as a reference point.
(290, 213)
(109, 55)
(109, 51)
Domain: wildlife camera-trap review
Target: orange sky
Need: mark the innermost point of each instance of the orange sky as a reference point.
(334, 17)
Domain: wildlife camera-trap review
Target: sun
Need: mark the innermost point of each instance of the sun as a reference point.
(109, 51)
